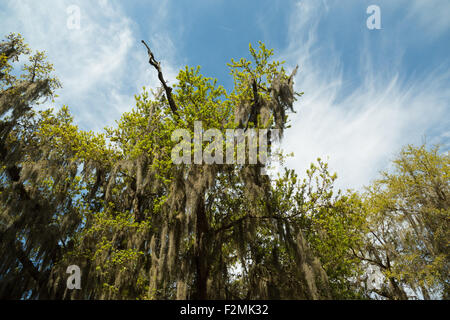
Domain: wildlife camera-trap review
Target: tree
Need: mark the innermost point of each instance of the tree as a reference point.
(409, 224)
(333, 223)
(138, 225)
(141, 226)
(26, 232)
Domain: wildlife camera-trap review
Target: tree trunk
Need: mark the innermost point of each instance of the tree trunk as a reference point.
(201, 260)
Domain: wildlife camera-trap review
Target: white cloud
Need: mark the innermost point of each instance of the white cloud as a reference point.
(358, 132)
(101, 65)
(431, 15)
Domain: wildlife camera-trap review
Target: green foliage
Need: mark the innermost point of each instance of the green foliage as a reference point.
(409, 226)
(141, 227)
(332, 223)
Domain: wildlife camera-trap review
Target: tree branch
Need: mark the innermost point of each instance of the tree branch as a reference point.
(247, 216)
(167, 89)
(26, 263)
(255, 108)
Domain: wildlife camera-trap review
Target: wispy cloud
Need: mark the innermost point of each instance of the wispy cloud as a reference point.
(101, 65)
(431, 15)
(357, 128)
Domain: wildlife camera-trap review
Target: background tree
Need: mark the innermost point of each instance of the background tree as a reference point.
(408, 226)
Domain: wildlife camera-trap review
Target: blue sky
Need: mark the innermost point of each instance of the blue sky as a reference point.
(367, 92)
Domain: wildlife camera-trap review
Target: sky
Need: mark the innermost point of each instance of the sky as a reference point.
(368, 92)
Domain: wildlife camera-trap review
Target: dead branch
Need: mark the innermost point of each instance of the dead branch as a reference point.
(167, 89)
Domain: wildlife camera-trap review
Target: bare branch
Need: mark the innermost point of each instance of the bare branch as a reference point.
(167, 89)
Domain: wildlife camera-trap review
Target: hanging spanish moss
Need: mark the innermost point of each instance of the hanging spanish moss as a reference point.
(138, 225)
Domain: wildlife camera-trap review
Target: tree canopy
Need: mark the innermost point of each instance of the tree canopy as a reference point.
(140, 226)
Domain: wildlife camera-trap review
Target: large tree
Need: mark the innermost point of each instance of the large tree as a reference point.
(138, 225)
(143, 226)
